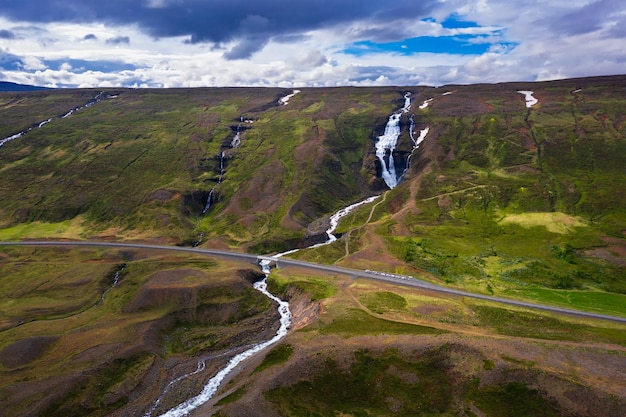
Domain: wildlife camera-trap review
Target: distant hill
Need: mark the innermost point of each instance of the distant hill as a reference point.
(8, 86)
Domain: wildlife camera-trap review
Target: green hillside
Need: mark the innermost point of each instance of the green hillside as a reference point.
(500, 199)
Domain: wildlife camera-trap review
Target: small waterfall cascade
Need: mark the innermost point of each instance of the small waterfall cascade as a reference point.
(99, 97)
(386, 144)
(209, 199)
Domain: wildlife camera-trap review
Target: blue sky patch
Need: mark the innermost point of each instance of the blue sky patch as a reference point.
(452, 22)
(457, 45)
(9, 61)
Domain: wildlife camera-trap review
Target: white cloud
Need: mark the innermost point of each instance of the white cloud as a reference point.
(32, 63)
(527, 43)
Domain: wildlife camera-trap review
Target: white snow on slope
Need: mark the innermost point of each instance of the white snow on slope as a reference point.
(530, 100)
(425, 103)
(285, 99)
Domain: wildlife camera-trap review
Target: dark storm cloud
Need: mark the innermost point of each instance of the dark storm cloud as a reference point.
(246, 47)
(118, 40)
(252, 23)
(90, 37)
(6, 34)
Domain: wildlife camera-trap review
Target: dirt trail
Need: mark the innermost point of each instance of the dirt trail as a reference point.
(369, 218)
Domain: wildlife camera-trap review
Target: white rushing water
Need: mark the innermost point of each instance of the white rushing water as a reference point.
(209, 199)
(237, 139)
(214, 383)
(335, 218)
(416, 144)
(200, 366)
(285, 323)
(386, 144)
(45, 122)
(116, 280)
(234, 143)
(284, 100)
(10, 138)
(530, 99)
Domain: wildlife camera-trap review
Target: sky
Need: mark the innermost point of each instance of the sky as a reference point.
(306, 43)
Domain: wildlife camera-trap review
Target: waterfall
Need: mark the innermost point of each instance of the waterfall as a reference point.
(386, 144)
(209, 199)
(237, 139)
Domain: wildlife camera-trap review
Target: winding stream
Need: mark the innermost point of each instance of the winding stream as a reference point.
(99, 97)
(201, 366)
(392, 132)
(214, 383)
(335, 218)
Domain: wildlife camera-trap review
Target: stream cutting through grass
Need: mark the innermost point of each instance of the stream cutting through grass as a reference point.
(385, 142)
(214, 383)
(99, 97)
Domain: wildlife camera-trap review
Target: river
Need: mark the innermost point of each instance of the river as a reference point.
(214, 383)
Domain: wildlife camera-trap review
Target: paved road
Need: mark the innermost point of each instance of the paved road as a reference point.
(282, 262)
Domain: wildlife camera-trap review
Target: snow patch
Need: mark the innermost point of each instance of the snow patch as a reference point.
(283, 101)
(425, 103)
(530, 100)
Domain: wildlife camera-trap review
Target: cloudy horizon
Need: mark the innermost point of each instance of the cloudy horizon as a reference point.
(194, 43)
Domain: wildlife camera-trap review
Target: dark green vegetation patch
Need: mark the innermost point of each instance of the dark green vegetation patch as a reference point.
(526, 324)
(278, 355)
(357, 322)
(394, 384)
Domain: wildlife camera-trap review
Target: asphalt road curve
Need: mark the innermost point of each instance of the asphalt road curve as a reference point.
(355, 273)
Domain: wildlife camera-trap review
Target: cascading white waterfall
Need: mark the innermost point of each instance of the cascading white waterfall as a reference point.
(237, 139)
(209, 200)
(387, 144)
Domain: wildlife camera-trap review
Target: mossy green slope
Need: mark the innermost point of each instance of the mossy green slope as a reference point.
(515, 196)
(141, 164)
